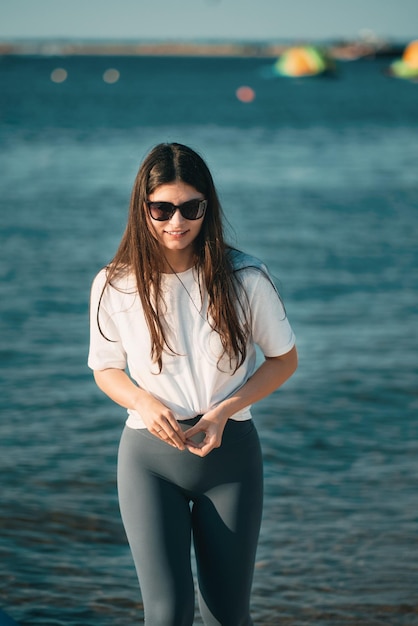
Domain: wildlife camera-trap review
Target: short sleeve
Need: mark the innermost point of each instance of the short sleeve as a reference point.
(106, 350)
(270, 326)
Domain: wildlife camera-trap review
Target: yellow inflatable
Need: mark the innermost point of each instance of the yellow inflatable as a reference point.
(407, 66)
(303, 61)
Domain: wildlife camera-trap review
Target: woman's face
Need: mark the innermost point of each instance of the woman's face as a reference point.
(177, 234)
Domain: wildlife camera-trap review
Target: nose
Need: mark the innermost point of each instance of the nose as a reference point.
(177, 217)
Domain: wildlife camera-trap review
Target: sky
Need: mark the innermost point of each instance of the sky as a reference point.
(256, 20)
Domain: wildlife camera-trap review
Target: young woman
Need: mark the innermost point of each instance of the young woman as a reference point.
(182, 313)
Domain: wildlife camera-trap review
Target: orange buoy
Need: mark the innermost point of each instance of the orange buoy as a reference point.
(245, 94)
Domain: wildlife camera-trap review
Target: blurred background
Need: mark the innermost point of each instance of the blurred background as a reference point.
(307, 115)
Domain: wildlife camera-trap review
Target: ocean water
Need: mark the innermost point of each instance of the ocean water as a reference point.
(319, 178)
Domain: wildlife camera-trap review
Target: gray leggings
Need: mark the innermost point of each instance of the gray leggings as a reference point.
(167, 496)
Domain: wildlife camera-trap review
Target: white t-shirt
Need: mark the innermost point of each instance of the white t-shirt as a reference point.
(192, 380)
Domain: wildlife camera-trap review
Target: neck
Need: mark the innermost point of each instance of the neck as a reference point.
(175, 264)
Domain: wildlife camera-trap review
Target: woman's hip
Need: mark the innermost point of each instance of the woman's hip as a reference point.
(140, 452)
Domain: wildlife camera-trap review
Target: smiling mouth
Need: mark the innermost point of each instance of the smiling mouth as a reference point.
(176, 232)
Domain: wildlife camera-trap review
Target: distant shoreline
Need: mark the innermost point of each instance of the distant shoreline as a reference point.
(339, 50)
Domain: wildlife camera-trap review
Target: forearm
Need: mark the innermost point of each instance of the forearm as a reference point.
(158, 418)
(116, 384)
(271, 375)
(266, 379)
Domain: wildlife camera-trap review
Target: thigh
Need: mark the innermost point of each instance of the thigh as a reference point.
(226, 525)
(156, 517)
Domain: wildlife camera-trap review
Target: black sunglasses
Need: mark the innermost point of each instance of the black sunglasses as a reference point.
(190, 210)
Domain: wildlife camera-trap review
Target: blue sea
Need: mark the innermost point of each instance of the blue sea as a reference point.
(319, 178)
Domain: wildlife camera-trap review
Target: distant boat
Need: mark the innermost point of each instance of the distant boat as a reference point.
(407, 66)
(304, 61)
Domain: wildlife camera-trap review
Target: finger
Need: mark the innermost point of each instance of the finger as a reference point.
(176, 435)
(175, 429)
(199, 449)
(195, 436)
(168, 430)
(193, 431)
(171, 437)
(176, 441)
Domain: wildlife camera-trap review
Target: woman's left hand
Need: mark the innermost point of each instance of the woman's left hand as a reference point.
(211, 425)
(271, 374)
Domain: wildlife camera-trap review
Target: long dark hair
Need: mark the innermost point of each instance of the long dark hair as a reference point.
(141, 253)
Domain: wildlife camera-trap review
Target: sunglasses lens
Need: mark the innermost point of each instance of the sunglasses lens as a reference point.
(161, 211)
(193, 209)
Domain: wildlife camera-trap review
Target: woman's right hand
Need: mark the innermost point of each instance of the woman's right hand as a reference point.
(158, 418)
(161, 422)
